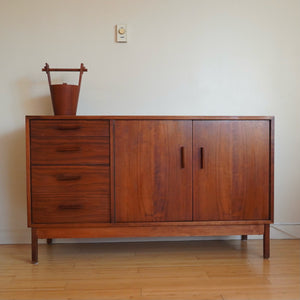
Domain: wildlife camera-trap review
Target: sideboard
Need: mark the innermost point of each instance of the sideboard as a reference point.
(149, 176)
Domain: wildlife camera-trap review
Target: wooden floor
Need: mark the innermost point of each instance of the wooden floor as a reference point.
(219, 270)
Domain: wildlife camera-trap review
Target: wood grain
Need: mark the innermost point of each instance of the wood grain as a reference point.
(28, 171)
(112, 170)
(143, 117)
(152, 166)
(70, 150)
(147, 231)
(70, 194)
(271, 168)
(234, 182)
(151, 184)
(187, 270)
(73, 127)
(266, 247)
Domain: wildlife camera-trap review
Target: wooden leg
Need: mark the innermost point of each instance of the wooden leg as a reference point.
(266, 241)
(34, 246)
(244, 237)
(49, 241)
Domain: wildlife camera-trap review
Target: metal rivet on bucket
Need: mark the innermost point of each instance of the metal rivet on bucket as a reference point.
(64, 96)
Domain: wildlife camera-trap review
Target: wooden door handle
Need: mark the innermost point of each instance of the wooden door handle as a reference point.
(201, 157)
(182, 157)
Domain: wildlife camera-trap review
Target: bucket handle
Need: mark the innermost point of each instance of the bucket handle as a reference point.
(48, 70)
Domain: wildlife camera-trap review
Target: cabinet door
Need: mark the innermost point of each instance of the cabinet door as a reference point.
(231, 170)
(153, 170)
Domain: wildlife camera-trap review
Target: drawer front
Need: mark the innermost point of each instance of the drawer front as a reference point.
(69, 194)
(56, 128)
(70, 150)
(70, 180)
(70, 209)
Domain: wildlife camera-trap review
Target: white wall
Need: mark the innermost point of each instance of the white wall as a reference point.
(183, 57)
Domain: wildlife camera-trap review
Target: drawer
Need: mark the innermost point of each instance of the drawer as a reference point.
(69, 194)
(70, 150)
(71, 180)
(63, 128)
(71, 209)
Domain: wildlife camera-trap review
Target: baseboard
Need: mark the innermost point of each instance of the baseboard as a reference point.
(15, 236)
(285, 231)
(278, 231)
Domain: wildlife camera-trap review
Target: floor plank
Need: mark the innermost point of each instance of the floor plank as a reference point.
(208, 270)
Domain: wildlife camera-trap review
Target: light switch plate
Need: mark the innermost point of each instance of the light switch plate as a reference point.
(121, 33)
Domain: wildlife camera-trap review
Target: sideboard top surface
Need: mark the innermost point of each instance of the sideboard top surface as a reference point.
(150, 117)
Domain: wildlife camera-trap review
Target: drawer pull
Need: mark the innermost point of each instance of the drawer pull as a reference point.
(68, 127)
(62, 177)
(68, 149)
(71, 206)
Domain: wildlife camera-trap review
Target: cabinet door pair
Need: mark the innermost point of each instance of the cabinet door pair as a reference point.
(182, 170)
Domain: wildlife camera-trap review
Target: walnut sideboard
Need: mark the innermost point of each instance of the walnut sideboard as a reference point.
(149, 176)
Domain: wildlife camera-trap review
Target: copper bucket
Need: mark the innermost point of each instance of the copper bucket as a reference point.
(64, 96)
